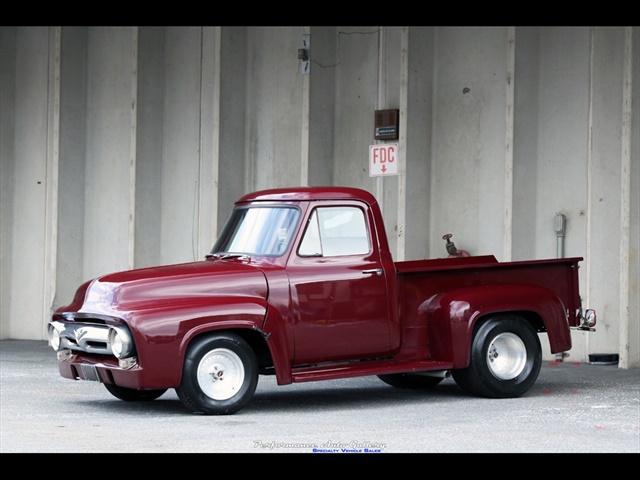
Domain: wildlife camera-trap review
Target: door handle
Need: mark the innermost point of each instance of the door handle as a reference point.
(377, 271)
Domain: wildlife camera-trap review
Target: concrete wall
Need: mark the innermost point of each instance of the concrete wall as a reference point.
(124, 147)
(7, 161)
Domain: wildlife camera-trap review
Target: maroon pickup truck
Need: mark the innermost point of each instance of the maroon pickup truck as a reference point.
(301, 284)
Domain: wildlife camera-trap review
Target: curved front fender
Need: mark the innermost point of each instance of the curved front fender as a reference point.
(163, 334)
(451, 316)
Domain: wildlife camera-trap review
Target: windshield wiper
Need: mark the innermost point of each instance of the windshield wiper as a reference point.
(227, 256)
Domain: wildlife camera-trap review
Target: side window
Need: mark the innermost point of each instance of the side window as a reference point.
(334, 231)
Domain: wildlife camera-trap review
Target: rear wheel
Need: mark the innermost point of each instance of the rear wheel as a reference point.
(410, 380)
(220, 375)
(505, 359)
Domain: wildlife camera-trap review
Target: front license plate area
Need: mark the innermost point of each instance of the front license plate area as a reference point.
(90, 372)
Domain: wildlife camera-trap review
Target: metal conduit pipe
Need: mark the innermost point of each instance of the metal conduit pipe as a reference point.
(560, 225)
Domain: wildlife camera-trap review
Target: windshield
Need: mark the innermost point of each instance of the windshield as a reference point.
(262, 231)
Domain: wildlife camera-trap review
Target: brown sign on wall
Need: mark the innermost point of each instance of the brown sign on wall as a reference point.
(386, 124)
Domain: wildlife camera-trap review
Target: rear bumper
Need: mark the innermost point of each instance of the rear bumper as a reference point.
(587, 321)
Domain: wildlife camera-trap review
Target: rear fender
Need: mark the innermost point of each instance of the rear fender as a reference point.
(451, 317)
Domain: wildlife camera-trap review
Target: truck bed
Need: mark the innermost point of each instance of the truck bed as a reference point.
(430, 277)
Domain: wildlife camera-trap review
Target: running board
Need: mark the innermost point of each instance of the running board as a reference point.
(364, 368)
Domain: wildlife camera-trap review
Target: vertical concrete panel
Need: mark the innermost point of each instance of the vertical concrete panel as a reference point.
(322, 88)
(71, 173)
(563, 149)
(7, 155)
(563, 138)
(209, 141)
(181, 144)
(389, 93)
(629, 261)
(276, 107)
(356, 100)
(418, 157)
(605, 172)
(233, 124)
(633, 347)
(150, 111)
(29, 180)
(108, 170)
(525, 152)
(468, 140)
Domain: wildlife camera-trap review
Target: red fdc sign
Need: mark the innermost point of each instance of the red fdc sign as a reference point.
(383, 159)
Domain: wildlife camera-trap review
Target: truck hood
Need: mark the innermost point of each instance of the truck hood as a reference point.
(208, 281)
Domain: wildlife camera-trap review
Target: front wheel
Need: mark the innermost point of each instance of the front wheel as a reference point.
(505, 359)
(131, 395)
(220, 375)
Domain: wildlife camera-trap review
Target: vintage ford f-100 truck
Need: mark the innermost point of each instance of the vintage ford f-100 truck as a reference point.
(301, 284)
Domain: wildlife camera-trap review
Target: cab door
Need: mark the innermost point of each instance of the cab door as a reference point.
(338, 288)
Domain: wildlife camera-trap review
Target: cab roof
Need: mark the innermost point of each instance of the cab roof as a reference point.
(309, 193)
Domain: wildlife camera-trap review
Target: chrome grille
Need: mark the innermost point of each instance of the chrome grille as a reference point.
(84, 337)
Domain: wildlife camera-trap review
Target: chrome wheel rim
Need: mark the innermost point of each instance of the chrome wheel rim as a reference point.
(507, 356)
(220, 374)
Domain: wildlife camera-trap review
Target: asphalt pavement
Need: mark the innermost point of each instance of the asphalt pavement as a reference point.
(572, 408)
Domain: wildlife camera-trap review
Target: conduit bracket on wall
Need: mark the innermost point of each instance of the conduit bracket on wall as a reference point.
(304, 55)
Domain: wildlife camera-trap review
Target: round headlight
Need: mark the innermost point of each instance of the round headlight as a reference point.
(121, 342)
(54, 337)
